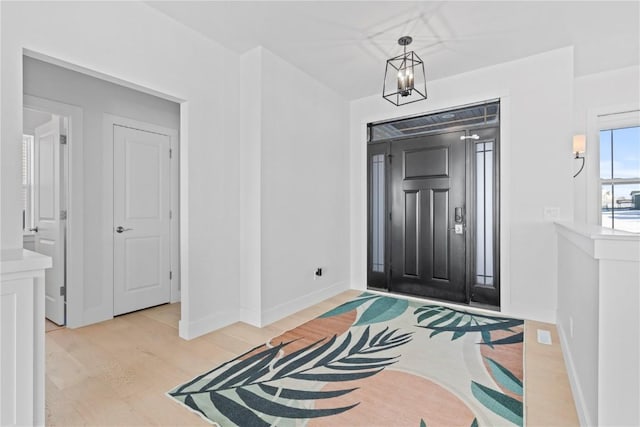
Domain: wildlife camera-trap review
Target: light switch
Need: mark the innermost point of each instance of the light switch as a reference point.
(551, 213)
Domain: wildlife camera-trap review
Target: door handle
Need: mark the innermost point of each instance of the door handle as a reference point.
(121, 229)
(34, 229)
(458, 215)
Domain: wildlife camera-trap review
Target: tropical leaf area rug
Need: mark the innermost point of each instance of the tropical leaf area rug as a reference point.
(372, 361)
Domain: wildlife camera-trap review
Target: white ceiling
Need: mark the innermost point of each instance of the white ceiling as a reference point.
(344, 44)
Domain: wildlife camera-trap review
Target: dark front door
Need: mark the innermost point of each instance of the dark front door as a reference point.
(428, 216)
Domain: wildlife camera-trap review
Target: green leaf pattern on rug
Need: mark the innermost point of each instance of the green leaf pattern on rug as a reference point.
(496, 401)
(278, 385)
(444, 319)
(260, 388)
(349, 305)
(380, 309)
(505, 406)
(504, 377)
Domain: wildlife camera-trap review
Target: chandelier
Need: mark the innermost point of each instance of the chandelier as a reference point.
(404, 78)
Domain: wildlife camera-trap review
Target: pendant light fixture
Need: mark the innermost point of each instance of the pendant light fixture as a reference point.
(404, 78)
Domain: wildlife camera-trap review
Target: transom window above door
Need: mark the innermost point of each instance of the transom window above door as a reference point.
(460, 118)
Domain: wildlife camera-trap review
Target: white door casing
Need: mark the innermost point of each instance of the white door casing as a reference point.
(49, 235)
(141, 222)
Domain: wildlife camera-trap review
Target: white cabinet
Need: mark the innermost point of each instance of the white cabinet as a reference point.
(22, 337)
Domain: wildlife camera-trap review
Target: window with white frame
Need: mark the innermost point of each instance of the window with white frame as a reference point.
(620, 178)
(27, 182)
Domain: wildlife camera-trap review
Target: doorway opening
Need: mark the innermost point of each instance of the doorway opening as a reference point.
(45, 176)
(433, 205)
(94, 258)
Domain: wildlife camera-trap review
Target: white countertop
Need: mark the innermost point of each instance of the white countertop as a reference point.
(597, 233)
(17, 260)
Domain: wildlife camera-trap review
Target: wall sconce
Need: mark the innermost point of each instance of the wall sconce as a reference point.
(579, 145)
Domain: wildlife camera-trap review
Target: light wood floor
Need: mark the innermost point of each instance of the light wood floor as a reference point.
(116, 372)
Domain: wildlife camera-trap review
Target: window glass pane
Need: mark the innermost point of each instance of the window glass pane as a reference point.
(480, 221)
(626, 153)
(488, 206)
(605, 154)
(377, 212)
(620, 153)
(484, 213)
(467, 116)
(607, 205)
(626, 212)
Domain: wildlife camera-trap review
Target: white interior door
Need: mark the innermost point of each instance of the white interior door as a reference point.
(141, 231)
(49, 232)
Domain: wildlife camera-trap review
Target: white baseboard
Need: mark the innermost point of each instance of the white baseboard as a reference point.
(252, 317)
(523, 312)
(285, 309)
(207, 324)
(224, 318)
(578, 397)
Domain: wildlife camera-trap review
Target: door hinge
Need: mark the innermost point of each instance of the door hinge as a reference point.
(63, 139)
(170, 214)
(63, 291)
(389, 216)
(390, 157)
(170, 275)
(63, 215)
(170, 153)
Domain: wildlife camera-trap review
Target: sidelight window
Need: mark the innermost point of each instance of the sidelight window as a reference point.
(484, 213)
(377, 212)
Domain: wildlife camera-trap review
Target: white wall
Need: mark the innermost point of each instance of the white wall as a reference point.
(295, 189)
(305, 189)
(96, 97)
(250, 196)
(134, 43)
(610, 91)
(537, 98)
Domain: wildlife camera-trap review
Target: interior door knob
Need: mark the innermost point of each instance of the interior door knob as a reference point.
(121, 229)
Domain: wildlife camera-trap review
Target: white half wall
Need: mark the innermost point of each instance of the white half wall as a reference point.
(599, 323)
(536, 96)
(131, 42)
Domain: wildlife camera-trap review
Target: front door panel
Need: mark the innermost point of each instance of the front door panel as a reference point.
(427, 185)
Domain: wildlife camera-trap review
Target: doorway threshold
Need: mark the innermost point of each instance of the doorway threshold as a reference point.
(472, 304)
